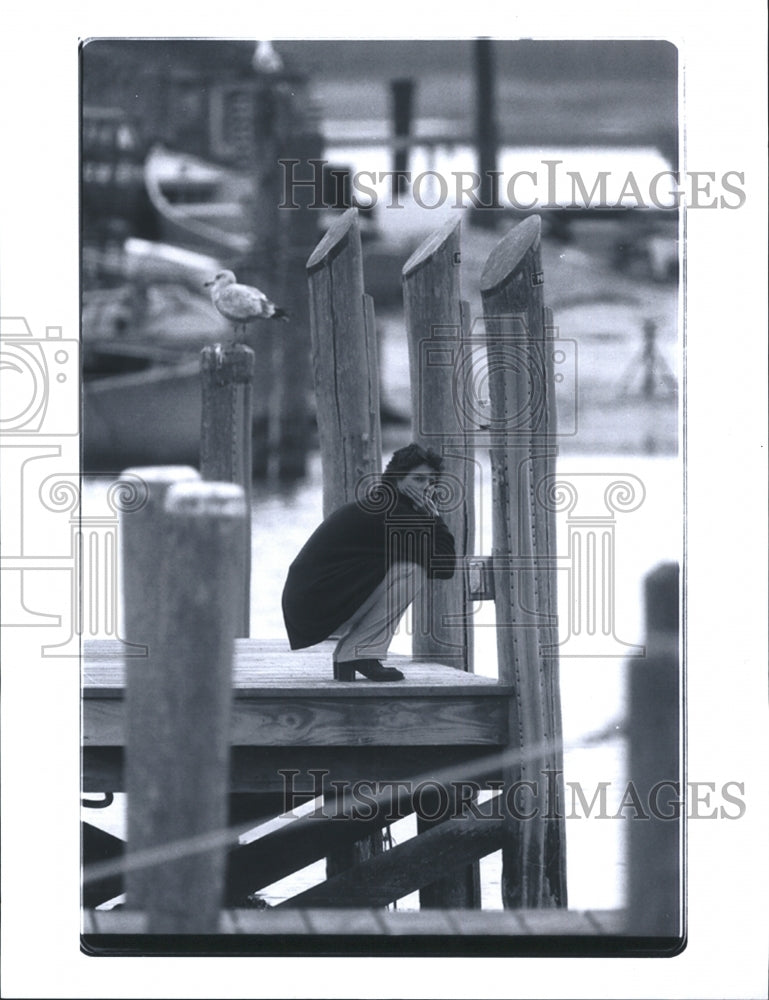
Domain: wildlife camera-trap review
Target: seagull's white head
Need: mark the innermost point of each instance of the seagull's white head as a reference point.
(222, 279)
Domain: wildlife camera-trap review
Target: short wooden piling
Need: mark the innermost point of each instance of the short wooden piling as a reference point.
(225, 442)
(345, 368)
(655, 841)
(522, 455)
(184, 753)
(441, 367)
(141, 537)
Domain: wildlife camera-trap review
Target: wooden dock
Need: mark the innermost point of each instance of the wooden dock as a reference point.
(294, 732)
(287, 706)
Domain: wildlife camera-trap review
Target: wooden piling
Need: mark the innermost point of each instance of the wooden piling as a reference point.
(345, 368)
(183, 748)
(346, 373)
(225, 442)
(654, 768)
(437, 325)
(522, 429)
(437, 328)
(141, 538)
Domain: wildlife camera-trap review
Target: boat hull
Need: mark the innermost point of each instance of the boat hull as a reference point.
(150, 417)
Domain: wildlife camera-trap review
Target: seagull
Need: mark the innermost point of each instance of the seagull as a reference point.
(241, 304)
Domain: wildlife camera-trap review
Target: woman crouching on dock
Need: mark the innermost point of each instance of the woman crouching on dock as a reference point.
(364, 565)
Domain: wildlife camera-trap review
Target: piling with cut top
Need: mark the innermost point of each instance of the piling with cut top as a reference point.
(437, 325)
(345, 366)
(440, 361)
(522, 429)
(184, 743)
(346, 374)
(227, 375)
(654, 766)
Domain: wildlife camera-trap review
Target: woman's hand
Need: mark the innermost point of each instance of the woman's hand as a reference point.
(421, 499)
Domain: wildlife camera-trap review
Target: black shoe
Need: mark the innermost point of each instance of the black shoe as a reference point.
(372, 669)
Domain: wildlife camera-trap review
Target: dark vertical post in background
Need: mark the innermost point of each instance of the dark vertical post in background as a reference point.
(284, 231)
(402, 106)
(486, 136)
(298, 232)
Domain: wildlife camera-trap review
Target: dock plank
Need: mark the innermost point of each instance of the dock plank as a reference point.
(269, 665)
(354, 921)
(288, 699)
(294, 722)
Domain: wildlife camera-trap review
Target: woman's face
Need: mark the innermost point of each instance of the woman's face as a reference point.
(420, 481)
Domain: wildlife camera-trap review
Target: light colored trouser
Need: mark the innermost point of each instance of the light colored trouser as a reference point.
(368, 632)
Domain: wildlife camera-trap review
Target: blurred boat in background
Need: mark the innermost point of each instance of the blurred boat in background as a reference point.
(199, 205)
(141, 339)
(139, 408)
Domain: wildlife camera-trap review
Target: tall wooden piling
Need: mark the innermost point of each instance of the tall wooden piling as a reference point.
(436, 325)
(654, 768)
(522, 429)
(183, 745)
(345, 367)
(225, 442)
(346, 373)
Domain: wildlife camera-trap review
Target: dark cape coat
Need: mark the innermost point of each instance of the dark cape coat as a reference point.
(346, 558)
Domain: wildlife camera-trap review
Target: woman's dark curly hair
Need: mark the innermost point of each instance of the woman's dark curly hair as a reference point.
(408, 458)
